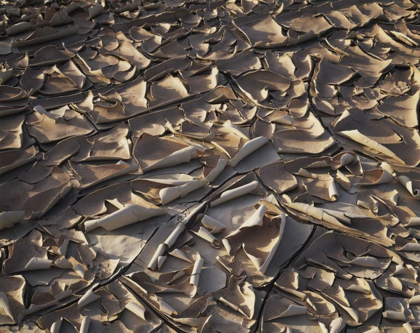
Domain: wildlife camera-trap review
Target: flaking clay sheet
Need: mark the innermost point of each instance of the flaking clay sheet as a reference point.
(209, 166)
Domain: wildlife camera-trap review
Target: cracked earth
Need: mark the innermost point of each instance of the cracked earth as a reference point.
(209, 166)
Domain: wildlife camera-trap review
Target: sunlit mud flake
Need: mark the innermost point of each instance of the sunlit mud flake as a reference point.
(104, 146)
(239, 64)
(259, 85)
(167, 90)
(128, 52)
(259, 237)
(41, 194)
(9, 94)
(303, 25)
(301, 142)
(154, 152)
(11, 133)
(262, 31)
(402, 109)
(91, 174)
(379, 136)
(125, 215)
(27, 254)
(155, 123)
(12, 292)
(49, 55)
(277, 177)
(50, 126)
(12, 159)
(119, 104)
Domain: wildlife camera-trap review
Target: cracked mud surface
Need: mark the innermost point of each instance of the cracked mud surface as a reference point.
(209, 166)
